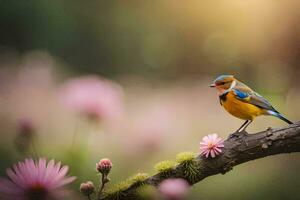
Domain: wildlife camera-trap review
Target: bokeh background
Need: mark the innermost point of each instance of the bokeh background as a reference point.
(160, 56)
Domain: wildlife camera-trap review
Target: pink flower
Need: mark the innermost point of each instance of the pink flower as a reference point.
(173, 189)
(147, 128)
(26, 126)
(87, 188)
(104, 166)
(26, 133)
(93, 97)
(31, 180)
(211, 145)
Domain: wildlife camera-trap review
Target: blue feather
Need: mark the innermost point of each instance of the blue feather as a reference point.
(240, 94)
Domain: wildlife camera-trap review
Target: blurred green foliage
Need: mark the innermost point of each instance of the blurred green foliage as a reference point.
(166, 39)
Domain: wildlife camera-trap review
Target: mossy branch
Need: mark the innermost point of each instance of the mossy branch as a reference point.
(237, 150)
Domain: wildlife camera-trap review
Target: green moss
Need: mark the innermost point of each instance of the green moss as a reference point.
(186, 160)
(146, 192)
(191, 169)
(165, 166)
(116, 191)
(139, 178)
(185, 157)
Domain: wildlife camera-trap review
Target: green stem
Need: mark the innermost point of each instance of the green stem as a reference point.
(34, 151)
(104, 180)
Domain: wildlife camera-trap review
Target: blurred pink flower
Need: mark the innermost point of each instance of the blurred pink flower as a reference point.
(31, 180)
(25, 135)
(147, 128)
(174, 189)
(26, 126)
(93, 97)
(211, 145)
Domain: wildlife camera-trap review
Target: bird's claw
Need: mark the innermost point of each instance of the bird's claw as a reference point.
(233, 135)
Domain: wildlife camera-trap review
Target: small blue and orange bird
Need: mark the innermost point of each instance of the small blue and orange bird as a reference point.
(242, 102)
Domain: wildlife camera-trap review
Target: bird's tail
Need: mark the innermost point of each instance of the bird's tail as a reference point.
(280, 116)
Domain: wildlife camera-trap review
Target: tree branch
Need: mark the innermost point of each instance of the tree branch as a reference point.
(237, 150)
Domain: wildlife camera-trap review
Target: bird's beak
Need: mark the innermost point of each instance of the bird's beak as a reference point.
(212, 85)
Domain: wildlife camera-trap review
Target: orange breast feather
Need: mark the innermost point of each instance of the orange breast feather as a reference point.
(240, 109)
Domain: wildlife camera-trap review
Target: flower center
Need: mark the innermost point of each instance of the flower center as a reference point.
(37, 192)
(211, 145)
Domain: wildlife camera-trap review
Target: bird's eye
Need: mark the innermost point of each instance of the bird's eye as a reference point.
(222, 83)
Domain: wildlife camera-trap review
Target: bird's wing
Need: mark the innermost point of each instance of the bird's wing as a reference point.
(249, 96)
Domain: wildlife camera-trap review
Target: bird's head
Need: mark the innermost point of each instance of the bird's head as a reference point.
(224, 82)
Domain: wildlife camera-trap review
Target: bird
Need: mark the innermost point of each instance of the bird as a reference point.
(242, 102)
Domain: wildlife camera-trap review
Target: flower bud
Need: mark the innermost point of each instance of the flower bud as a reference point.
(26, 132)
(26, 126)
(104, 166)
(87, 188)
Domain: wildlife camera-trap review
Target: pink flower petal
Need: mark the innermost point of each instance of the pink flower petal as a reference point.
(25, 176)
(65, 182)
(41, 169)
(212, 153)
(211, 145)
(13, 177)
(8, 187)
